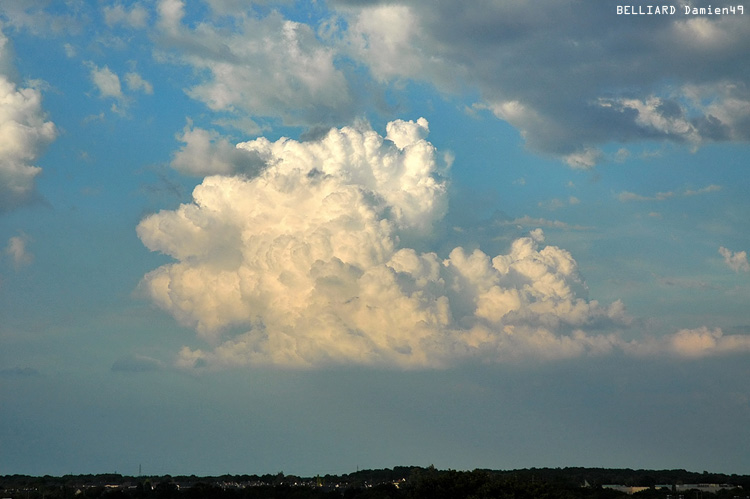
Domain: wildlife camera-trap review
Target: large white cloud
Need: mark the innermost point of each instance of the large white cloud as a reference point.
(303, 265)
(24, 132)
(306, 265)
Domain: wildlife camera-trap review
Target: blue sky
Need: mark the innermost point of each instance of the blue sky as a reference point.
(251, 237)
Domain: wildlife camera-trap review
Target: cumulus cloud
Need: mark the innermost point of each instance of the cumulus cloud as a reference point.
(693, 343)
(24, 132)
(736, 261)
(303, 266)
(704, 341)
(267, 66)
(569, 81)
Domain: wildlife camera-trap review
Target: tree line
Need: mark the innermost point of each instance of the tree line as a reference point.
(396, 483)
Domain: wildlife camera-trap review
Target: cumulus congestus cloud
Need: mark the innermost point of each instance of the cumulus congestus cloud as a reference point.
(303, 266)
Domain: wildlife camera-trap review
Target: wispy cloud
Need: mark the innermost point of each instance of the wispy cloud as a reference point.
(136, 82)
(626, 196)
(137, 363)
(527, 221)
(556, 203)
(684, 283)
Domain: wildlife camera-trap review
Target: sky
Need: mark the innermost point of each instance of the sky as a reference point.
(316, 237)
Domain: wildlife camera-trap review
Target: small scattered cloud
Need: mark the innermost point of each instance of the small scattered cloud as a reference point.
(552, 204)
(70, 50)
(736, 261)
(106, 81)
(694, 343)
(626, 196)
(110, 86)
(37, 18)
(556, 203)
(703, 190)
(622, 155)
(205, 152)
(18, 252)
(136, 17)
(584, 159)
(136, 82)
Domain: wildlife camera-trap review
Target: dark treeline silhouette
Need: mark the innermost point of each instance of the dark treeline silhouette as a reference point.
(399, 482)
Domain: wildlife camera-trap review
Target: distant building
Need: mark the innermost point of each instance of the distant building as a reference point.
(711, 488)
(625, 488)
(704, 487)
